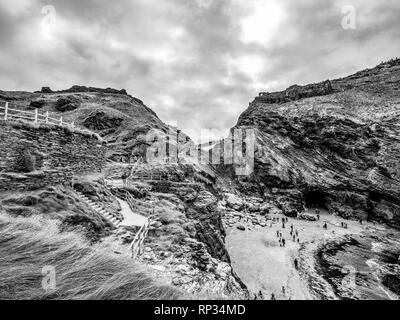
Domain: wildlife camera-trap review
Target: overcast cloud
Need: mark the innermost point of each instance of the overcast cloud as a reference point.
(197, 62)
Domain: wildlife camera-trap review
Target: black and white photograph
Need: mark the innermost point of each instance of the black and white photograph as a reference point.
(222, 153)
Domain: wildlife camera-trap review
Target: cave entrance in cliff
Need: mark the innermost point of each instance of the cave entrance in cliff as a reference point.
(315, 199)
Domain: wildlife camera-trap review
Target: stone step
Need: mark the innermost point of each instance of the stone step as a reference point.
(115, 221)
(98, 208)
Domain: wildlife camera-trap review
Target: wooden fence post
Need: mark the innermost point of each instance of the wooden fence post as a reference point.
(6, 111)
(36, 115)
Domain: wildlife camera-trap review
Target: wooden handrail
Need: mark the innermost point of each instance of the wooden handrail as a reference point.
(36, 117)
(136, 246)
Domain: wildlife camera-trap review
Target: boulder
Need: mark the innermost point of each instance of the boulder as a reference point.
(65, 104)
(37, 104)
(234, 202)
(241, 227)
(46, 90)
(100, 120)
(308, 217)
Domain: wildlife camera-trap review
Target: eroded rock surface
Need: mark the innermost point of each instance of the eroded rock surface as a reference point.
(339, 151)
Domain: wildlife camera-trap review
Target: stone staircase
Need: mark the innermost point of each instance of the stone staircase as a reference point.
(128, 234)
(114, 220)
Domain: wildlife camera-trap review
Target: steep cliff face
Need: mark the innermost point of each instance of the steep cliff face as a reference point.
(339, 150)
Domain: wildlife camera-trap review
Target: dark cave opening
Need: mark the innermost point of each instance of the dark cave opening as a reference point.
(314, 199)
(374, 196)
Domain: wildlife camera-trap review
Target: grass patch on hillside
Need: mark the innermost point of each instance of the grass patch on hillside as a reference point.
(59, 203)
(27, 245)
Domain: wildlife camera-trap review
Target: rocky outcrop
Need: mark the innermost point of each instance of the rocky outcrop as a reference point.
(362, 267)
(101, 120)
(67, 104)
(37, 104)
(77, 89)
(200, 208)
(339, 151)
(296, 92)
(380, 73)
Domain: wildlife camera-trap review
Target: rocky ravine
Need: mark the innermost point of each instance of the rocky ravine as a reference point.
(338, 149)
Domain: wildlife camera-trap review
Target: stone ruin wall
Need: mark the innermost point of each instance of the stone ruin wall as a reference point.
(33, 157)
(296, 92)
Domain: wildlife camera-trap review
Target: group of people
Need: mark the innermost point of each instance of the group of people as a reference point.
(294, 234)
(273, 297)
(282, 241)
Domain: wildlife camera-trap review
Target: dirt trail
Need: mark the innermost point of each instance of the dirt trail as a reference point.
(264, 265)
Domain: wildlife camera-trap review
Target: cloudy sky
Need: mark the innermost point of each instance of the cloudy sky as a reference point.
(197, 62)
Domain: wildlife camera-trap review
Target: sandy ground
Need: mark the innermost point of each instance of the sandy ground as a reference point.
(130, 218)
(263, 265)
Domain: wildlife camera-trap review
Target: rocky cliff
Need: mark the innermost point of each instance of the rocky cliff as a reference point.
(337, 148)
